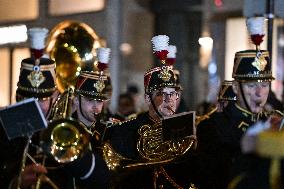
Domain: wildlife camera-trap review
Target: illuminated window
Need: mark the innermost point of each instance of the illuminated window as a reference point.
(16, 10)
(5, 82)
(13, 34)
(18, 55)
(4, 77)
(64, 7)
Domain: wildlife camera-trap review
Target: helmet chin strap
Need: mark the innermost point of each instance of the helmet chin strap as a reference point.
(243, 96)
(154, 106)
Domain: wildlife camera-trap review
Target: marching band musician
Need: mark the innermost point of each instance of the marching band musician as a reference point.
(37, 79)
(219, 136)
(226, 95)
(93, 89)
(134, 150)
(262, 146)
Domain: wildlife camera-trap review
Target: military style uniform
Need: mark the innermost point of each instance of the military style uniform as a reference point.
(219, 143)
(36, 79)
(219, 152)
(135, 150)
(95, 85)
(257, 173)
(124, 157)
(10, 160)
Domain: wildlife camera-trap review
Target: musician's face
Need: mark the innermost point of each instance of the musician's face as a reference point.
(91, 108)
(255, 95)
(166, 101)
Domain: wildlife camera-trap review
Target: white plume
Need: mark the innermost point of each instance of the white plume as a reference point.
(160, 42)
(172, 49)
(103, 54)
(37, 37)
(255, 25)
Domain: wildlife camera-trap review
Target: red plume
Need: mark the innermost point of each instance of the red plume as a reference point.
(37, 53)
(102, 66)
(170, 61)
(257, 39)
(162, 55)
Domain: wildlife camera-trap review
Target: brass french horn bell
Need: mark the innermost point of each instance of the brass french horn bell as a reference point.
(72, 45)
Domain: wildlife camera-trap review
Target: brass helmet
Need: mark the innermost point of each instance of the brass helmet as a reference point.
(72, 45)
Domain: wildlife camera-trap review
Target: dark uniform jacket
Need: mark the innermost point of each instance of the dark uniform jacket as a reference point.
(61, 175)
(262, 171)
(11, 162)
(254, 172)
(100, 176)
(123, 139)
(218, 148)
(10, 157)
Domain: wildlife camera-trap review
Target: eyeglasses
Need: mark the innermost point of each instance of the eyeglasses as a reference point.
(173, 95)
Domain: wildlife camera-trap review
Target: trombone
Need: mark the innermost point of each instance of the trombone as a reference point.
(65, 139)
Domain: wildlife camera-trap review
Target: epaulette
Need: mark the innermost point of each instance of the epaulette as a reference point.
(205, 116)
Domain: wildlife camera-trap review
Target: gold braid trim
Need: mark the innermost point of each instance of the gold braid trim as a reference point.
(161, 171)
(36, 90)
(205, 116)
(30, 67)
(50, 68)
(250, 54)
(112, 158)
(93, 76)
(254, 116)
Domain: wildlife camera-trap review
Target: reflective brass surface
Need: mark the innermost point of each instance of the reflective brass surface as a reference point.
(65, 140)
(65, 135)
(72, 45)
(153, 148)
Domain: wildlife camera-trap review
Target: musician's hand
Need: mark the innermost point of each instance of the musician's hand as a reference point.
(248, 141)
(30, 174)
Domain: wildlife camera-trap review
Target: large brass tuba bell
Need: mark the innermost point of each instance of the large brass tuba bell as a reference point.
(72, 45)
(65, 139)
